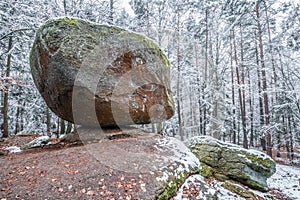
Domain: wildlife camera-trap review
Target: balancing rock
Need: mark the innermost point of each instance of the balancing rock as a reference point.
(93, 74)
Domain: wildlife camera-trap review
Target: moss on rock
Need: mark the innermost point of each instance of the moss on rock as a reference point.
(65, 47)
(249, 167)
(239, 190)
(171, 187)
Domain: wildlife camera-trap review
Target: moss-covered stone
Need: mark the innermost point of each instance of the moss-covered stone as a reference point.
(239, 190)
(171, 187)
(121, 71)
(249, 167)
(206, 171)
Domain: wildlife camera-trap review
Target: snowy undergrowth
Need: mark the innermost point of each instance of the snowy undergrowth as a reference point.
(287, 180)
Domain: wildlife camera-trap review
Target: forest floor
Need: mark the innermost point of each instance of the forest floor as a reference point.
(66, 170)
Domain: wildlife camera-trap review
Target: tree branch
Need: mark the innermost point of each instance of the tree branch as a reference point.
(15, 31)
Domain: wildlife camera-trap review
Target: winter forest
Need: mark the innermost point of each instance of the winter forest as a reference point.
(235, 65)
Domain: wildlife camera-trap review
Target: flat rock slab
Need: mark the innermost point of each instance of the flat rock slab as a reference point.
(141, 166)
(93, 74)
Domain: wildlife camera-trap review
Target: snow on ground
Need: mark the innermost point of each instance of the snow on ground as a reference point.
(287, 180)
(13, 149)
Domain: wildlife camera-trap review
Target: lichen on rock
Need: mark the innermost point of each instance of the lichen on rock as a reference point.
(93, 74)
(249, 167)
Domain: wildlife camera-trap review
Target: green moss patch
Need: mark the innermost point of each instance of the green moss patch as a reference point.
(172, 187)
(239, 190)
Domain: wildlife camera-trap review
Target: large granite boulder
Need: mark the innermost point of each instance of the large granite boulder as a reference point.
(89, 74)
(227, 161)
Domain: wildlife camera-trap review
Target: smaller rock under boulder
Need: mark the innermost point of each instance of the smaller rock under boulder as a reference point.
(38, 142)
(227, 161)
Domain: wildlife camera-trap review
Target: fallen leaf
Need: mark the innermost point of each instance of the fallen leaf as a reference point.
(22, 173)
(83, 190)
(91, 193)
(54, 180)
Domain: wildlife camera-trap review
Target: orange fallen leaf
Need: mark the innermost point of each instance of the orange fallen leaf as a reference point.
(54, 180)
(91, 193)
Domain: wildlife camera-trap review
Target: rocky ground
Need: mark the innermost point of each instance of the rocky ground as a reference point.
(68, 170)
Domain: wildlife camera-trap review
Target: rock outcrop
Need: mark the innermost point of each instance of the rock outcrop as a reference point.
(38, 142)
(89, 74)
(226, 161)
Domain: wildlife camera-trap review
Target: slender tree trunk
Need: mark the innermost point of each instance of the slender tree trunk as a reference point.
(62, 127)
(205, 73)
(264, 82)
(245, 142)
(261, 105)
(245, 138)
(48, 121)
(251, 112)
(178, 80)
(206, 46)
(17, 126)
(5, 99)
(111, 12)
(271, 51)
(69, 127)
(291, 140)
(199, 92)
(65, 7)
(232, 90)
(58, 125)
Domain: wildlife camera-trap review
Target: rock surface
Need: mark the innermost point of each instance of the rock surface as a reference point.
(139, 166)
(90, 74)
(38, 142)
(227, 161)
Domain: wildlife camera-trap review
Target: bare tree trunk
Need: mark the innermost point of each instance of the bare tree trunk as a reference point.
(251, 112)
(291, 140)
(232, 90)
(205, 73)
(48, 121)
(17, 126)
(62, 127)
(199, 93)
(245, 138)
(178, 80)
(271, 50)
(264, 82)
(5, 99)
(261, 105)
(69, 127)
(111, 12)
(245, 142)
(65, 7)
